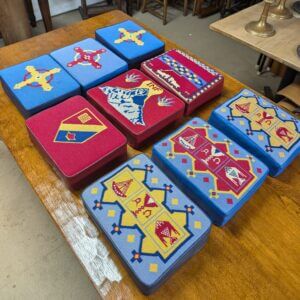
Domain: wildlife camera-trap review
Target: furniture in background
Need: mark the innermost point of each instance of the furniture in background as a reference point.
(152, 6)
(282, 47)
(291, 97)
(45, 12)
(16, 18)
(14, 23)
(92, 10)
(232, 248)
(204, 8)
(228, 7)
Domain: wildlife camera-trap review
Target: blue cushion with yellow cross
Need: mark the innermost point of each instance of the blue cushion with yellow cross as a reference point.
(37, 84)
(131, 41)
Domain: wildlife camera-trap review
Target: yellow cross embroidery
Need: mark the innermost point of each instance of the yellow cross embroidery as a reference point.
(40, 78)
(130, 36)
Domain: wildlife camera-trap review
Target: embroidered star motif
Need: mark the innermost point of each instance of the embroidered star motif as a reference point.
(37, 78)
(87, 57)
(130, 36)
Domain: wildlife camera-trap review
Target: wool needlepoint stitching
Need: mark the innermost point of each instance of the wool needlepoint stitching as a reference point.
(87, 57)
(79, 127)
(130, 36)
(37, 78)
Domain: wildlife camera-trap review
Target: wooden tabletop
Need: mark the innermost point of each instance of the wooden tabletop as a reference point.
(255, 255)
(281, 47)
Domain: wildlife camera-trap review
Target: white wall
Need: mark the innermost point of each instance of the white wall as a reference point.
(59, 6)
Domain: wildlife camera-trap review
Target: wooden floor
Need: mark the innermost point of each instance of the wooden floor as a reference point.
(256, 255)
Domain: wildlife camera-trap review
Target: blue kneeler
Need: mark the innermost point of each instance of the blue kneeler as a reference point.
(89, 62)
(260, 126)
(215, 172)
(130, 41)
(37, 84)
(151, 224)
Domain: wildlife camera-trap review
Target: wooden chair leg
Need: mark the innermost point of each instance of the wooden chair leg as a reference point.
(129, 7)
(165, 12)
(45, 11)
(195, 7)
(144, 6)
(199, 8)
(119, 4)
(185, 7)
(29, 7)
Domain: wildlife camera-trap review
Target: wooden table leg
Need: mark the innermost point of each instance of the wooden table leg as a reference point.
(14, 22)
(46, 15)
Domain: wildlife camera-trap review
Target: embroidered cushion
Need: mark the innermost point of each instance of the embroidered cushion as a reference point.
(37, 84)
(192, 81)
(138, 105)
(215, 172)
(151, 224)
(76, 139)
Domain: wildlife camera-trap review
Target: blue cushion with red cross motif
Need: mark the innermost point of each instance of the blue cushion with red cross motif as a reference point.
(89, 62)
(37, 84)
(131, 41)
(151, 224)
(260, 126)
(215, 172)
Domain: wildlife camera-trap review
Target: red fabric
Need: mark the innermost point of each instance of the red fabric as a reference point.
(193, 95)
(155, 117)
(75, 161)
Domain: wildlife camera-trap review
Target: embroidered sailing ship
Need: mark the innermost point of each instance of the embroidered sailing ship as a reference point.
(120, 188)
(188, 142)
(243, 108)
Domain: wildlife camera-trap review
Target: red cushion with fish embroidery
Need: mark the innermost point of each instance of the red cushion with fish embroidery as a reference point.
(192, 81)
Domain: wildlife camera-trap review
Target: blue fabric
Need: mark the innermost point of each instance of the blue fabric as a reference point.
(110, 211)
(107, 64)
(32, 98)
(129, 50)
(202, 184)
(265, 138)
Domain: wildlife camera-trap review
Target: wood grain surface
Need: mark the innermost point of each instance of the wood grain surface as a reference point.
(282, 46)
(255, 256)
